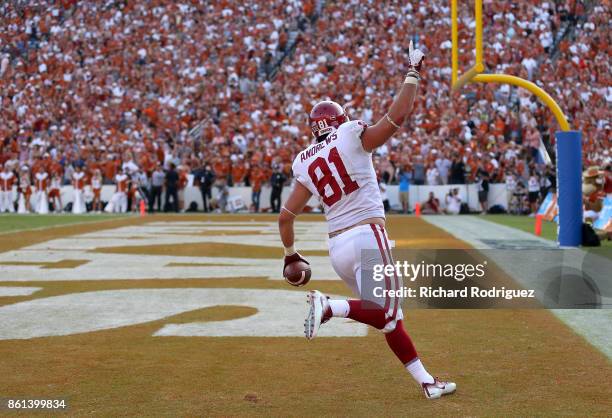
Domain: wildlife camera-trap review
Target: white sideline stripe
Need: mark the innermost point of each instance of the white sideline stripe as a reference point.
(18, 291)
(592, 324)
(472, 230)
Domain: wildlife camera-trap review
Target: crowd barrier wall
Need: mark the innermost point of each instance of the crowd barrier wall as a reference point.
(467, 193)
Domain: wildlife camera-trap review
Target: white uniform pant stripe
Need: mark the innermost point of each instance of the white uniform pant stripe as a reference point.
(391, 303)
(395, 284)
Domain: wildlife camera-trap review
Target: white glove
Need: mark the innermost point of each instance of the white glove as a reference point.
(415, 57)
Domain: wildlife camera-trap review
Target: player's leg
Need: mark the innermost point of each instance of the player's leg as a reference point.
(396, 336)
(349, 260)
(345, 251)
(353, 252)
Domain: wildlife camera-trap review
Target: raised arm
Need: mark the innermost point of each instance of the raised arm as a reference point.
(376, 135)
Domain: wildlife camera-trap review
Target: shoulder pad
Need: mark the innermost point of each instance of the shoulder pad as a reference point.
(356, 126)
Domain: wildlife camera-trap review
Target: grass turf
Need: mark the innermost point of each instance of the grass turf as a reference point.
(127, 371)
(14, 223)
(525, 223)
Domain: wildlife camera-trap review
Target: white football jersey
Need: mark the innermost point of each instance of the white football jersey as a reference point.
(341, 174)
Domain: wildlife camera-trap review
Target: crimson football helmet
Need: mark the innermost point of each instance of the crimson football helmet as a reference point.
(325, 117)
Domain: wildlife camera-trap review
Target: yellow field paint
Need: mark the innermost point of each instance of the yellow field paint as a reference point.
(533, 88)
(61, 264)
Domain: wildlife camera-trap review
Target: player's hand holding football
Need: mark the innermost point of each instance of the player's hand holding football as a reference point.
(296, 270)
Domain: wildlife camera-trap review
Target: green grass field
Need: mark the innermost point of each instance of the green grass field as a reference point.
(13, 222)
(525, 223)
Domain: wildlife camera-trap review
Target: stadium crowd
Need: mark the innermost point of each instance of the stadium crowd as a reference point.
(115, 88)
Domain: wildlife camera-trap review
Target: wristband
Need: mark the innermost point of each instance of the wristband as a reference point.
(412, 77)
(287, 210)
(395, 125)
(290, 251)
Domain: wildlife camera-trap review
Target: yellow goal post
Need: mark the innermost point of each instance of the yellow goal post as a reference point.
(475, 74)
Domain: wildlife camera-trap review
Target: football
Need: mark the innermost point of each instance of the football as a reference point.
(297, 273)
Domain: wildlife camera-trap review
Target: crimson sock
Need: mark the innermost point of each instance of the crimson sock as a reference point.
(367, 313)
(401, 344)
(398, 340)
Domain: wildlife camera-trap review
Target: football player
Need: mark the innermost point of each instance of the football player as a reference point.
(338, 169)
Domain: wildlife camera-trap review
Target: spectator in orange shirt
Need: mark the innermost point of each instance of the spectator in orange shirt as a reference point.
(110, 169)
(238, 172)
(221, 168)
(258, 177)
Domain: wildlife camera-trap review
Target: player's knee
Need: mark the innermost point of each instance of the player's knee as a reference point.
(393, 322)
(390, 326)
(284, 218)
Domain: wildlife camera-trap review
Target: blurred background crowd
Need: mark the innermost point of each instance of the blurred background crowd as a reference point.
(222, 89)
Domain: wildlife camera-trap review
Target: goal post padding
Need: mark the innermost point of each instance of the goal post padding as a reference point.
(569, 187)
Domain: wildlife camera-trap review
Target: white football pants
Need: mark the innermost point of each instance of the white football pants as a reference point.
(354, 254)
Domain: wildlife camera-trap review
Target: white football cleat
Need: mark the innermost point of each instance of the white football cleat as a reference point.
(319, 313)
(438, 388)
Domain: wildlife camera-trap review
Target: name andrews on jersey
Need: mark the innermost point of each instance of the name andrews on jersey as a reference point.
(304, 155)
